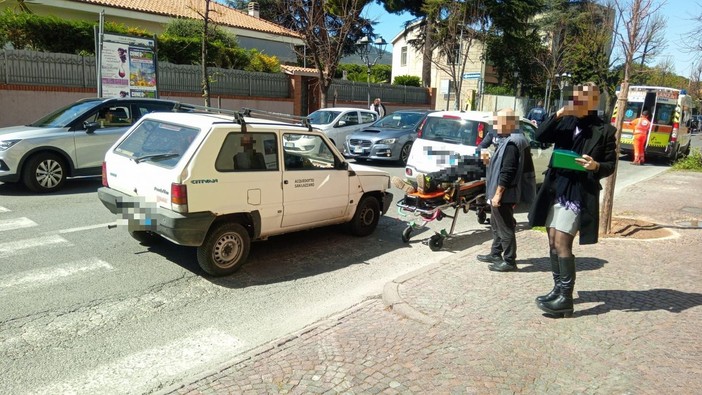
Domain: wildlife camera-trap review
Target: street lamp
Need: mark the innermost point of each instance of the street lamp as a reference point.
(370, 52)
(563, 80)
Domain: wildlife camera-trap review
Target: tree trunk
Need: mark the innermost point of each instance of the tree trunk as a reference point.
(203, 56)
(427, 55)
(608, 201)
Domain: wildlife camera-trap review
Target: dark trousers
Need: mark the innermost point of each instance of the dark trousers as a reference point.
(503, 226)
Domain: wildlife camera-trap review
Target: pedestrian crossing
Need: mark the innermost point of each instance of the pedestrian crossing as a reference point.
(69, 323)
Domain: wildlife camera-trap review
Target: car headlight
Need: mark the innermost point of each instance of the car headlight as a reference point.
(6, 144)
(386, 141)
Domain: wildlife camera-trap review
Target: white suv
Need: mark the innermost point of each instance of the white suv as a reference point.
(339, 122)
(447, 136)
(217, 182)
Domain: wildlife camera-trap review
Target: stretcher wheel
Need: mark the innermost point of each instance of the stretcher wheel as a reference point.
(406, 234)
(482, 217)
(436, 242)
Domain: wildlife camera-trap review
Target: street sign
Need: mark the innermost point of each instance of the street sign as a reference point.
(471, 76)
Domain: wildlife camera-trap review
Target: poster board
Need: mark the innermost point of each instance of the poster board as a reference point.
(128, 66)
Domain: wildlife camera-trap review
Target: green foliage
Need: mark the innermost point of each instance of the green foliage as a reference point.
(407, 80)
(499, 90)
(380, 73)
(691, 162)
(263, 63)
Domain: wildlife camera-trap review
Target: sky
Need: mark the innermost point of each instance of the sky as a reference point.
(679, 13)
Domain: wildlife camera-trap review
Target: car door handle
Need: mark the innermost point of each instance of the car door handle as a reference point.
(285, 182)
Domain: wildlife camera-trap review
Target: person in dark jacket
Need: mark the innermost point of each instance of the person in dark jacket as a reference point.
(568, 202)
(537, 114)
(508, 166)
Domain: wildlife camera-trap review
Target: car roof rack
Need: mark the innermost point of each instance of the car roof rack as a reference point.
(245, 112)
(278, 115)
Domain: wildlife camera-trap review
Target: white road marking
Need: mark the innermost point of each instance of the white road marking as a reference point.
(4, 210)
(42, 277)
(145, 370)
(16, 223)
(20, 246)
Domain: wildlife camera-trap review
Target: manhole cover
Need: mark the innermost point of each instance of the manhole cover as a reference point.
(695, 224)
(694, 210)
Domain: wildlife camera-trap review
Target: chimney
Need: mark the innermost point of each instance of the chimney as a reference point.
(253, 9)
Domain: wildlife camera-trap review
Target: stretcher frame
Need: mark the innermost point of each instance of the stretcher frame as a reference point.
(464, 196)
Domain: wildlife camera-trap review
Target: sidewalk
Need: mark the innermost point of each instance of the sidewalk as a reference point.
(457, 328)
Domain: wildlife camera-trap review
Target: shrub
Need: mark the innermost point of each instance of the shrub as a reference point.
(691, 162)
(407, 80)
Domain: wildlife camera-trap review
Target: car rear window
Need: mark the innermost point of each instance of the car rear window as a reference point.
(453, 130)
(158, 142)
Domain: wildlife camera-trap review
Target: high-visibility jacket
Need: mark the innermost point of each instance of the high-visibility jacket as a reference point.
(641, 125)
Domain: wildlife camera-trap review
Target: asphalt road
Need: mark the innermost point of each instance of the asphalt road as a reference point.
(87, 310)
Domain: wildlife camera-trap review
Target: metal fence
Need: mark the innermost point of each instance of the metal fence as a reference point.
(358, 91)
(56, 69)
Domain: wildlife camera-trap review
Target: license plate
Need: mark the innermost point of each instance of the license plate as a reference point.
(358, 150)
(289, 145)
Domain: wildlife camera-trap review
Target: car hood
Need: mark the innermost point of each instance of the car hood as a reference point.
(363, 170)
(381, 133)
(24, 132)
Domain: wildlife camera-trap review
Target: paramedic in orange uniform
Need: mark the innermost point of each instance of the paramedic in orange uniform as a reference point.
(641, 126)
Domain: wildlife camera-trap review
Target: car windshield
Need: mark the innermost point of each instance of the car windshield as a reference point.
(156, 141)
(451, 130)
(323, 117)
(64, 116)
(404, 120)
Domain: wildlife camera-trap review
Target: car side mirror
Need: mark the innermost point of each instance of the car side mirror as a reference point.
(340, 124)
(90, 127)
(343, 165)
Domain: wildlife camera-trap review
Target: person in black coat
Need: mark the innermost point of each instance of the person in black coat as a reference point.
(568, 202)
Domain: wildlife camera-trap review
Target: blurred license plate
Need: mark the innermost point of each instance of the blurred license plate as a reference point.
(358, 150)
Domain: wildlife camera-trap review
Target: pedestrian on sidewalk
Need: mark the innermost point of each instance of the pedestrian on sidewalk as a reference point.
(510, 180)
(378, 107)
(569, 200)
(537, 114)
(641, 126)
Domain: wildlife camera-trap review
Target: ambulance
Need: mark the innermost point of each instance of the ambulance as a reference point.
(670, 111)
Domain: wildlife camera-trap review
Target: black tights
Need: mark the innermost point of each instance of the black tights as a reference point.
(560, 243)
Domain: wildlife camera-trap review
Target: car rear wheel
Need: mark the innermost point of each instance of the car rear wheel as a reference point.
(405, 152)
(366, 218)
(225, 249)
(44, 172)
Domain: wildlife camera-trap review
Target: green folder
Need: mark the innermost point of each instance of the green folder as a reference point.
(565, 159)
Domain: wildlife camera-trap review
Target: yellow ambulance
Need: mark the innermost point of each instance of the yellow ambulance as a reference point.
(670, 110)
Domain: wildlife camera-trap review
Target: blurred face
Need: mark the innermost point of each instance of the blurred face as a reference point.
(505, 122)
(583, 98)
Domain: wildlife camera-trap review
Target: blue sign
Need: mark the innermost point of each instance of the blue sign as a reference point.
(471, 76)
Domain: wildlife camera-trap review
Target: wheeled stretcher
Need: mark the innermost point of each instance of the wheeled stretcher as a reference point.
(422, 208)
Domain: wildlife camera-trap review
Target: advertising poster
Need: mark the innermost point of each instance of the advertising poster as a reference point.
(128, 67)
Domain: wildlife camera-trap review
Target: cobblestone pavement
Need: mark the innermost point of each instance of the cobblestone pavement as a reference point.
(457, 328)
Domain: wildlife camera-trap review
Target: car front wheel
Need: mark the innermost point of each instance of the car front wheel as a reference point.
(225, 249)
(405, 152)
(366, 218)
(45, 172)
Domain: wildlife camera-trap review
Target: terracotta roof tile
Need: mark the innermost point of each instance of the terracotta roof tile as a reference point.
(219, 13)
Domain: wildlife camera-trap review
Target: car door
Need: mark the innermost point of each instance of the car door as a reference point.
(315, 186)
(347, 123)
(540, 153)
(112, 119)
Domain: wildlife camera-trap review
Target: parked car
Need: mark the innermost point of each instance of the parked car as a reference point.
(339, 122)
(180, 177)
(389, 138)
(446, 135)
(71, 141)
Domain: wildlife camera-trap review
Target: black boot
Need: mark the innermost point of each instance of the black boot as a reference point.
(556, 272)
(562, 305)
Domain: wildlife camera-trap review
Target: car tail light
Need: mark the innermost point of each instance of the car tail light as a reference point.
(421, 127)
(104, 175)
(179, 197)
(408, 171)
(614, 120)
(451, 116)
(481, 133)
(674, 135)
